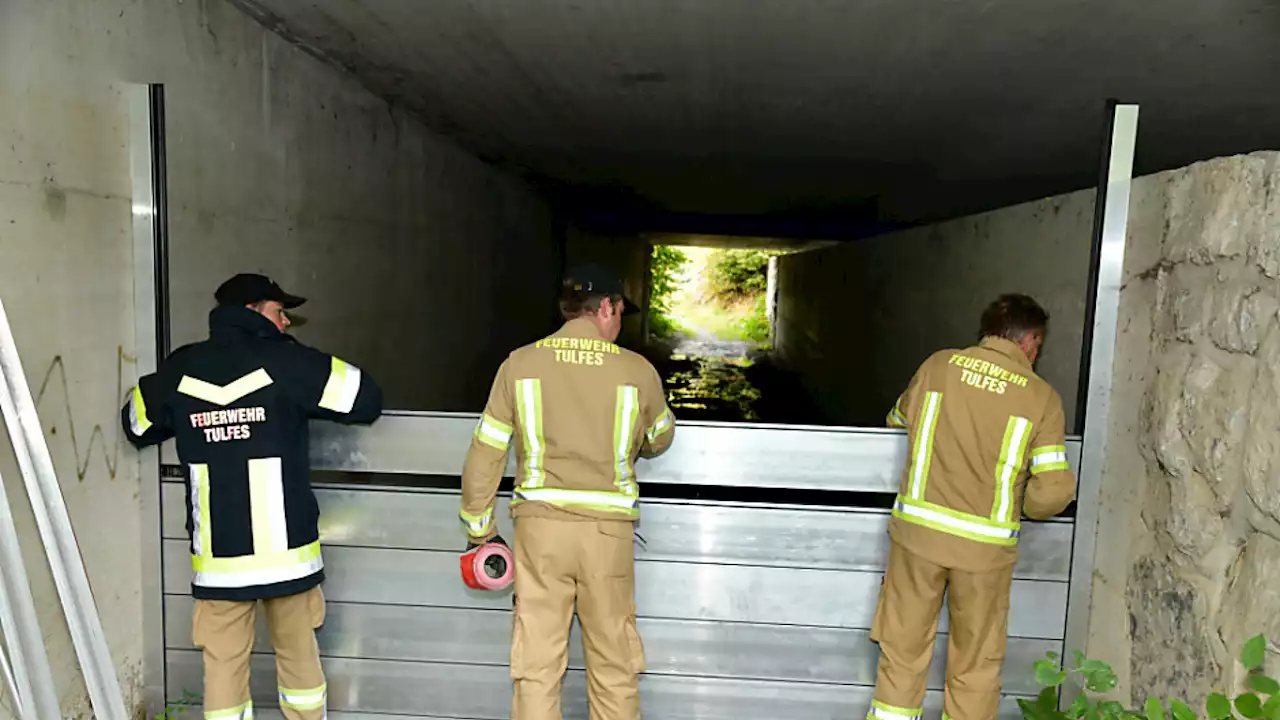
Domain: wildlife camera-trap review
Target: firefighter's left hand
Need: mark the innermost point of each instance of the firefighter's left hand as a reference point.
(472, 544)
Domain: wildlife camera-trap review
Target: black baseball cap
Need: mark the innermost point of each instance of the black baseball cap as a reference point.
(599, 280)
(250, 288)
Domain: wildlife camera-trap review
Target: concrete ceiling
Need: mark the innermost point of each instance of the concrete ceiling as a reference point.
(912, 109)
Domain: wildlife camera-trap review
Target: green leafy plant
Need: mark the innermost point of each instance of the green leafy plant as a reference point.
(178, 708)
(1262, 701)
(665, 266)
(734, 275)
(754, 326)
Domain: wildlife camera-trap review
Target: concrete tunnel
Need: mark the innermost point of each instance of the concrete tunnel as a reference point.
(425, 172)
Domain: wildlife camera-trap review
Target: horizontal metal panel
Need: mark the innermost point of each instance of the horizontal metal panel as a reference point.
(484, 692)
(672, 647)
(783, 596)
(734, 455)
(686, 532)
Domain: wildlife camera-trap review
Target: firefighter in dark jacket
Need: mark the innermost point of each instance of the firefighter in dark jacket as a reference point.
(238, 405)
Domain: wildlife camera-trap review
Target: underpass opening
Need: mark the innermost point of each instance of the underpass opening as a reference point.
(709, 329)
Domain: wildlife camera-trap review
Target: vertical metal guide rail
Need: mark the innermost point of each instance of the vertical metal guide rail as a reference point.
(755, 610)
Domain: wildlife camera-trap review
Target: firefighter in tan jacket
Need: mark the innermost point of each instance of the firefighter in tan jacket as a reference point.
(579, 410)
(986, 443)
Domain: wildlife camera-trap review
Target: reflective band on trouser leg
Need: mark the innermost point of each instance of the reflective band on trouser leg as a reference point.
(1017, 434)
(495, 434)
(202, 528)
(529, 405)
(626, 412)
(266, 506)
(343, 387)
(922, 452)
(953, 522)
(242, 712)
(138, 419)
(611, 502)
(248, 570)
(881, 711)
(313, 699)
(1049, 458)
(477, 525)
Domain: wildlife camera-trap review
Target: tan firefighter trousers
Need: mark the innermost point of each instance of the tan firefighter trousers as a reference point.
(906, 622)
(558, 563)
(224, 630)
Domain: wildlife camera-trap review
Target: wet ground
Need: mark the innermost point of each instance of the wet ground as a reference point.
(730, 381)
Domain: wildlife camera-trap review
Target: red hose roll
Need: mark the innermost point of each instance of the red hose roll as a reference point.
(488, 567)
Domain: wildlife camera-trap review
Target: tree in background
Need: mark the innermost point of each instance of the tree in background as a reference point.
(665, 266)
(737, 277)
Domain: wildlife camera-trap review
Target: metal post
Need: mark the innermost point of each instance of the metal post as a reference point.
(56, 533)
(151, 340)
(1111, 212)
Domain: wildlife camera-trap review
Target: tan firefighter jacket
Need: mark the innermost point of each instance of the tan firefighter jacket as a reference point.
(986, 444)
(579, 410)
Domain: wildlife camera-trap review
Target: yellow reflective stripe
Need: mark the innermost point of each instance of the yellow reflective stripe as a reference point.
(224, 394)
(477, 525)
(266, 506)
(312, 699)
(1049, 458)
(661, 425)
(625, 414)
(343, 387)
(138, 419)
(202, 532)
(493, 433)
(611, 502)
(956, 523)
(250, 563)
(529, 405)
(922, 453)
(240, 712)
(1017, 433)
(883, 711)
(895, 418)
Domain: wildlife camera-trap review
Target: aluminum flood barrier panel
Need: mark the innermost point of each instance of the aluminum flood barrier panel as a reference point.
(748, 610)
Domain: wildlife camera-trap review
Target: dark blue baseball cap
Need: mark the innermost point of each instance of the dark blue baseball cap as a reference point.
(250, 288)
(596, 279)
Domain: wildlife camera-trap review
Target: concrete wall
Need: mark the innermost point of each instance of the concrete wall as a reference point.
(1189, 542)
(856, 319)
(628, 256)
(421, 262)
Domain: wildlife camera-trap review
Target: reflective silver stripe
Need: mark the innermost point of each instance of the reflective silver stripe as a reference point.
(529, 400)
(313, 699)
(626, 413)
(923, 451)
(1011, 464)
(1048, 459)
(661, 425)
(880, 711)
(974, 526)
(138, 420)
(579, 497)
(477, 524)
(266, 506)
(493, 433)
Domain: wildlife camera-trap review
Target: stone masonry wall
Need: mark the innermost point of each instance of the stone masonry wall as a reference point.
(1189, 544)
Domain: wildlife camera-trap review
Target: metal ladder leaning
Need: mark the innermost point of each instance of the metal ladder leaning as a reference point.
(26, 664)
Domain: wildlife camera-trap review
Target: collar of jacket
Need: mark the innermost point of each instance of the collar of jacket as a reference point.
(1008, 348)
(579, 328)
(233, 321)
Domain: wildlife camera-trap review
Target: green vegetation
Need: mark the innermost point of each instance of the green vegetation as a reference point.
(666, 265)
(735, 275)
(699, 292)
(178, 708)
(1261, 701)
